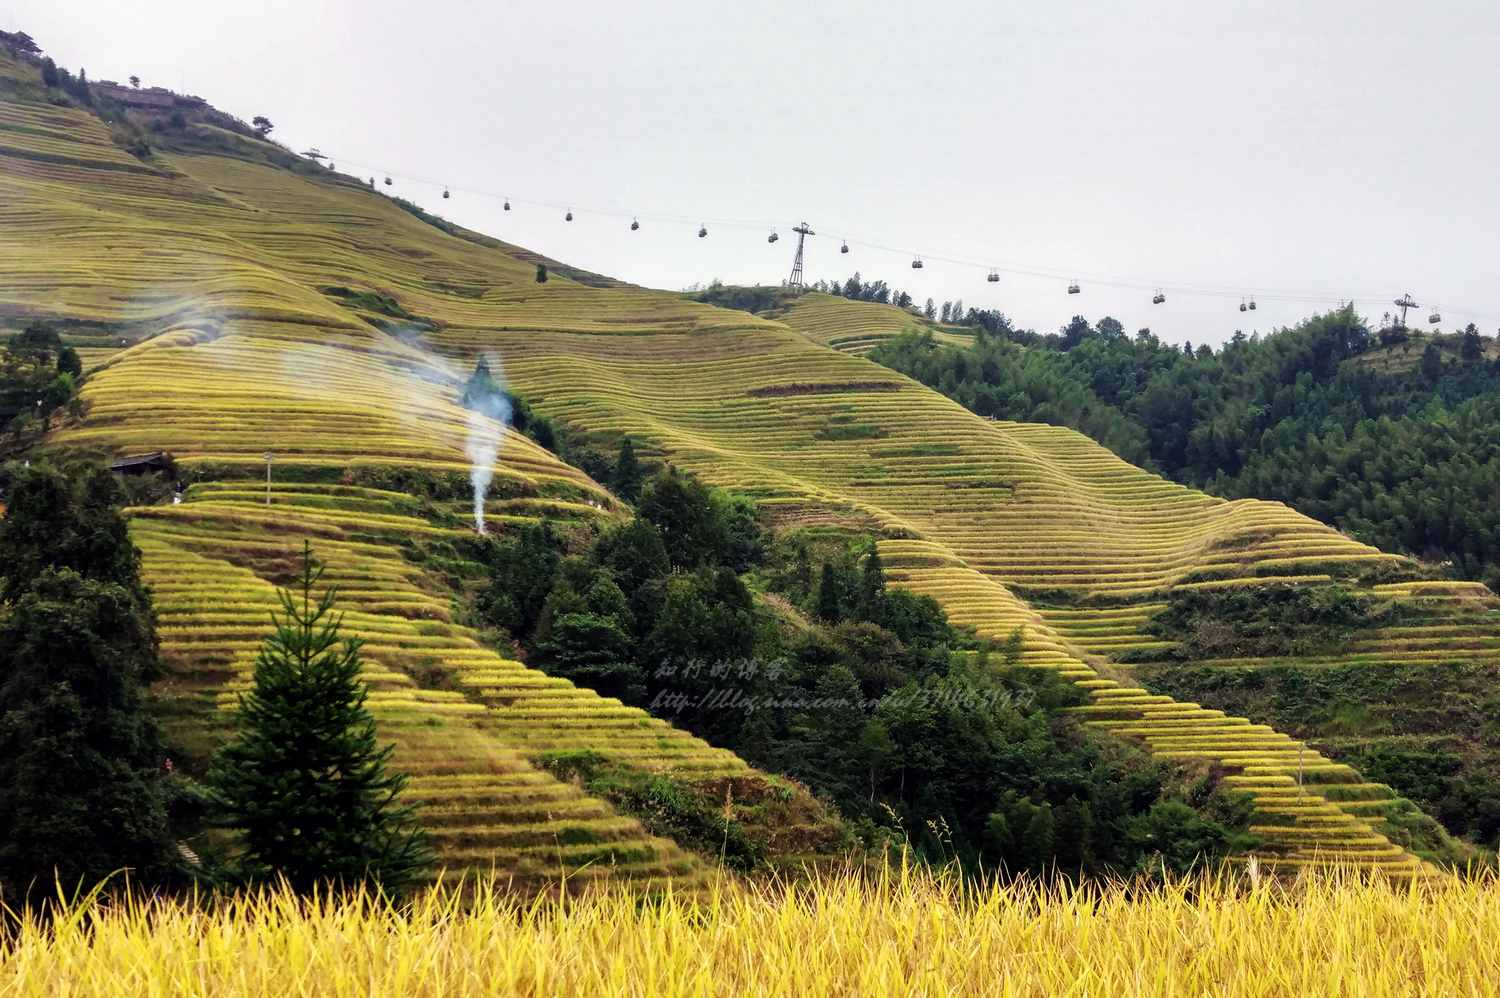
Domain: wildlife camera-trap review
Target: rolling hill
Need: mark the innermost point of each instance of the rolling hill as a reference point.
(222, 300)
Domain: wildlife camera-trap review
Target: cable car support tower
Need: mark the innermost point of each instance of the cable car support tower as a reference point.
(1404, 303)
(802, 233)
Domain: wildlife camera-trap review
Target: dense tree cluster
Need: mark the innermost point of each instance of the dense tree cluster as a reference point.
(1408, 460)
(1466, 800)
(868, 695)
(873, 291)
(39, 377)
(1265, 621)
(84, 789)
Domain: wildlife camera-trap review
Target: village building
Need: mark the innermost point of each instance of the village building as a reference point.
(151, 98)
(141, 464)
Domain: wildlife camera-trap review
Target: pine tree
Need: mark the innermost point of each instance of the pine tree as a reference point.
(628, 475)
(688, 515)
(1472, 347)
(305, 785)
(592, 650)
(83, 784)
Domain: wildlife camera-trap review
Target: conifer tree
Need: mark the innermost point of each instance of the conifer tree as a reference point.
(305, 785)
(1472, 347)
(871, 604)
(627, 473)
(831, 596)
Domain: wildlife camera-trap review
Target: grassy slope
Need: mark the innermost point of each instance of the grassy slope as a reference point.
(219, 261)
(855, 327)
(225, 357)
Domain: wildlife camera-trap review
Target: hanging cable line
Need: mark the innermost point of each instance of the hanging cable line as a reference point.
(1157, 289)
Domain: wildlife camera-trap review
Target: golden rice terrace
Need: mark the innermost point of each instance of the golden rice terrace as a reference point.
(197, 287)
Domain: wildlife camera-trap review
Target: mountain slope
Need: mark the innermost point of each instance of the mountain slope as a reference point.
(225, 278)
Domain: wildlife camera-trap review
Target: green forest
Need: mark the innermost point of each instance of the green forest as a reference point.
(1392, 437)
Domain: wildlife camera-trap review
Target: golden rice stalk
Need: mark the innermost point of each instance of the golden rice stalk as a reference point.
(912, 934)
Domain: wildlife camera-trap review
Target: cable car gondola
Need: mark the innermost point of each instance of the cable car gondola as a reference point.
(1242, 306)
(1252, 304)
(845, 247)
(634, 225)
(1074, 289)
(702, 231)
(994, 277)
(772, 237)
(1158, 298)
(445, 193)
(388, 181)
(569, 216)
(916, 264)
(1434, 318)
(507, 204)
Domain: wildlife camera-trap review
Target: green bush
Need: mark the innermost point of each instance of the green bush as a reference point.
(1267, 621)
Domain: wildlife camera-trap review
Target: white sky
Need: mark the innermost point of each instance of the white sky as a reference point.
(1336, 149)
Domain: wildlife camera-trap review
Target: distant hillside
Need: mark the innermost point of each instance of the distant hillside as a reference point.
(237, 306)
(1386, 435)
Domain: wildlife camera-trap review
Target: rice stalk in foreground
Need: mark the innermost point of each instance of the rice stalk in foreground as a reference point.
(840, 935)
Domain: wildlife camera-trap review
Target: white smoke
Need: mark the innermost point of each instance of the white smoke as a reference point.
(483, 447)
(488, 417)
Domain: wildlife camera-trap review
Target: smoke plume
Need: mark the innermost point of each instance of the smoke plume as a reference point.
(489, 414)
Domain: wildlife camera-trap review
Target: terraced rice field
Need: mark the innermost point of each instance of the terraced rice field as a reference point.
(1453, 622)
(1309, 810)
(223, 260)
(60, 136)
(467, 722)
(855, 327)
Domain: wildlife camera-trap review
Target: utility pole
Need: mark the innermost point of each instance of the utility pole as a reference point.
(1300, 749)
(270, 460)
(802, 233)
(1404, 303)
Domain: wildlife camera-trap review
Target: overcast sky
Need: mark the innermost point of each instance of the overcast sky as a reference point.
(1297, 152)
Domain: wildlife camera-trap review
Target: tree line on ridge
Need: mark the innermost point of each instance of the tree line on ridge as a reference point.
(1406, 459)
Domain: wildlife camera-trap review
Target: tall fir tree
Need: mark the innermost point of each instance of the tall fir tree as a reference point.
(83, 785)
(306, 785)
(628, 476)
